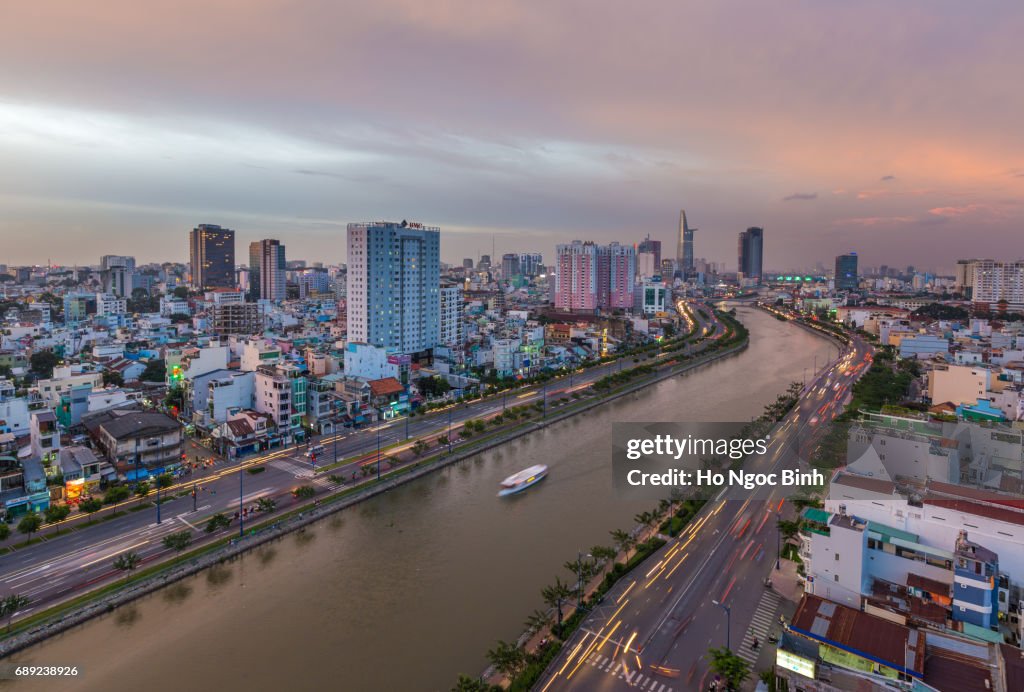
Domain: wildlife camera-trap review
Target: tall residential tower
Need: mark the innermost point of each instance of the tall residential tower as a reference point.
(266, 270)
(394, 275)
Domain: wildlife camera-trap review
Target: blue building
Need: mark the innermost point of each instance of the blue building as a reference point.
(394, 278)
(975, 591)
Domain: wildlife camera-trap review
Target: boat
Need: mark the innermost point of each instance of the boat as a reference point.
(524, 479)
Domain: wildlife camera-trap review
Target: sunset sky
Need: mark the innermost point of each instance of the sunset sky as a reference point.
(892, 129)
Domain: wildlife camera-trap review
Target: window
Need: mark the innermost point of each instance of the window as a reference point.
(837, 557)
(836, 577)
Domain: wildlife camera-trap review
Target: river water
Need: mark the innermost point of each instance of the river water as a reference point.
(411, 588)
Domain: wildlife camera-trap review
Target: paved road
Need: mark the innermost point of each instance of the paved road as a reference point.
(66, 565)
(654, 628)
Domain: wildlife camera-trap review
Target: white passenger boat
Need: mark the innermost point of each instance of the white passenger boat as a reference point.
(523, 480)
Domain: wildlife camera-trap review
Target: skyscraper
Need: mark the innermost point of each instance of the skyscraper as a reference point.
(267, 270)
(591, 277)
(212, 257)
(394, 274)
(684, 252)
(751, 253)
(846, 272)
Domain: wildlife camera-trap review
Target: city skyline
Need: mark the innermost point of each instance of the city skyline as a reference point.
(848, 148)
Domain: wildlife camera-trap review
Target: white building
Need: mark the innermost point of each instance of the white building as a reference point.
(109, 304)
(451, 331)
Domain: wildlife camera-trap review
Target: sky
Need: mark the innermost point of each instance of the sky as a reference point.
(890, 129)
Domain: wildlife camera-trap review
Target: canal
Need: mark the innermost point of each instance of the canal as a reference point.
(411, 588)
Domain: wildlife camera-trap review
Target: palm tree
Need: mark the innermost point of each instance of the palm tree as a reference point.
(11, 605)
(623, 540)
(603, 553)
(537, 621)
(788, 528)
(507, 658)
(556, 596)
(127, 562)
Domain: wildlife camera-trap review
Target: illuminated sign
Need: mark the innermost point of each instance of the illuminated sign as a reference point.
(797, 664)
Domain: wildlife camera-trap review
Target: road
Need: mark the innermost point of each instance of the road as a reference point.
(653, 629)
(67, 565)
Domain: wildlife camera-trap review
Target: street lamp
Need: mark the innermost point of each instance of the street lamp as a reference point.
(778, 541)
(241, 520)
(728, 624)
(579, 575)
(378, 452)
(450, 429)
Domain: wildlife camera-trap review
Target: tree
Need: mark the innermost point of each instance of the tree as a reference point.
(181, 292)
(30, 523)
(116, 494)
(156, 371)
(304, 492)
(603, 553)
(164, 481)
(127, 562)
(267, 504)
(142, 489)
(431, 387)
(557, 595)
(11, 605)
(175, 397)
(419, 448)
(42, 363)
(733, 669)
(623, 540)
(442, 441)
(788, 528)
(112, 378)
(217, 521)
(5, 531)
(537, 620)
(468, 684)
(55, 513)
(90, 506)
(179, 540)
(507, 658)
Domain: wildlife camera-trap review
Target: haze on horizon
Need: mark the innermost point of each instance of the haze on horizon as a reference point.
(891, 130)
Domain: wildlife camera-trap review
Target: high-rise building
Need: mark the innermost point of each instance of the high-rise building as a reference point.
(510, 266)
(653, 247)
(451, 333)
(591, 277)
(994, 282)
(394, 274)
(212, 257)
(531, 264)
(751, 253)
(846, 272)
(684, 252)
(467, 263)
(267, 270)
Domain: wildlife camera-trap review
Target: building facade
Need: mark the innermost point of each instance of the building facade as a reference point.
(212, 257)
(751, 253)
(393, 285)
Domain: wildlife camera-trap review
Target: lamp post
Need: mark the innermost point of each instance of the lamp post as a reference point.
(378, 452)
(241, 520)
(778, 541)
(158, 500)
(544, 400)
(449, 429)
(728, 624)
(194, 495)
(579, 576)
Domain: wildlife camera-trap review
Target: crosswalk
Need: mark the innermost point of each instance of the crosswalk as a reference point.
(292, 468)
(760, 626)
(633, 677)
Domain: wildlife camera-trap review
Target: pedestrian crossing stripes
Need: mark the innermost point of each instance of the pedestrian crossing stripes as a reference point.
(295, 469)
(634, 678)
(760, 626)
